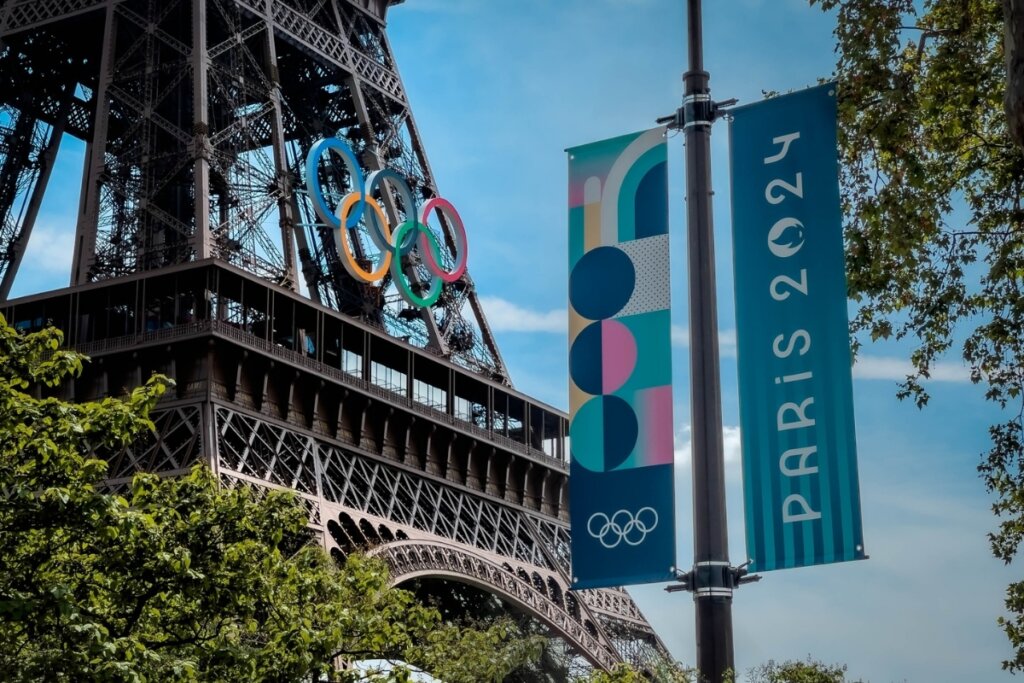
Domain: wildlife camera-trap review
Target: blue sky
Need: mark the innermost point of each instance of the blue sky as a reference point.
(499, 89)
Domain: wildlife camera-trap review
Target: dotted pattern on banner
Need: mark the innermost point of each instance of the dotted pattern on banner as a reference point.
(650, 256)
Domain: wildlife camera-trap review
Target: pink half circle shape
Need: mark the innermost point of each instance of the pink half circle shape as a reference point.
(618, 355)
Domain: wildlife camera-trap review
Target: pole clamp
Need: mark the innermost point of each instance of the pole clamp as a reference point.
(697, 110)
(712, 579)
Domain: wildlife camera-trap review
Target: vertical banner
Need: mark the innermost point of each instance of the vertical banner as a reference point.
(620, 369)
(801, 493)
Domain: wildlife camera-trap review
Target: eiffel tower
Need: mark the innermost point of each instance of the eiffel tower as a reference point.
(198, 254)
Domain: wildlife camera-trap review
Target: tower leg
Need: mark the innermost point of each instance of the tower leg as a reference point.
(203, 239)
(285, 205)
(88, 217)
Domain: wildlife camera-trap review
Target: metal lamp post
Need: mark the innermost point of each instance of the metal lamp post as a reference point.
(712, 577)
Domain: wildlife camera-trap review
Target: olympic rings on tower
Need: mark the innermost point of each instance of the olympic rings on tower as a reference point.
(359, 210)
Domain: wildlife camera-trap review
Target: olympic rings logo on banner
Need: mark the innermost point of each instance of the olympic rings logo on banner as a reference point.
(623, 526)
(359, 209)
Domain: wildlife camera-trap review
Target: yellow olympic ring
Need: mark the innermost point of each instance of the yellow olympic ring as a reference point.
(341, 235)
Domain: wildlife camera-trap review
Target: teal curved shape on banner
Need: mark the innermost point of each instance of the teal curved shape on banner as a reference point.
(640, 212)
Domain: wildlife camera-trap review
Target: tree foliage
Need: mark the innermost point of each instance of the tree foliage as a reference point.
(668, 672)
(183, 579)
(619, 674)
(810, 671)
(932, 188)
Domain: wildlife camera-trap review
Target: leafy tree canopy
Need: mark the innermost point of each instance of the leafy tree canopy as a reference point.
(810, 671)
(669, 672)
(932, 187)
(181, 579)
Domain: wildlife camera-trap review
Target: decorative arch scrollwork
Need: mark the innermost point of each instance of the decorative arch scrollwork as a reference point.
(413, 559)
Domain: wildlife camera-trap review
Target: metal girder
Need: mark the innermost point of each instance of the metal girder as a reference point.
(202, 237)
(88, 215)
(175, 445)
(520, 556)
(414, 535)
(27, 15)
(319, 41)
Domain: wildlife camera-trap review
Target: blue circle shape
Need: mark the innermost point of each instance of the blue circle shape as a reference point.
(324, 211)
(603, 433)
(601, 283)
(621, 430)
(586, 360)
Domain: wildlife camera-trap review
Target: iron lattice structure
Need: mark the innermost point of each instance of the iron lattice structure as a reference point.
(197, 254)
(196, 144)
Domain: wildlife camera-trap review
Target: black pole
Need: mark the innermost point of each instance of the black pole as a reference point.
(711, 579)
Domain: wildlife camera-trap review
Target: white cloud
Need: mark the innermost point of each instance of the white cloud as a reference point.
(727, 343)
(730, 445)
(505, 316)
(726, 340)
(49, 249)
(680, 336)
(897, 369)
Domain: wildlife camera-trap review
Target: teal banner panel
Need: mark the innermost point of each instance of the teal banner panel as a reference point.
(801, 492)
(621, 506)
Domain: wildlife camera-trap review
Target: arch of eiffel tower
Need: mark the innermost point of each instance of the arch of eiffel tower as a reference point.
(197, 254)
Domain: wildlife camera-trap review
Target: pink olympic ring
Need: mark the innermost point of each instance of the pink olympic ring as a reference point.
(445, 208)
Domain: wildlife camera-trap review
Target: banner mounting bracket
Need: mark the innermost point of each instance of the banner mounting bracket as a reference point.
(712, 578)
(697, 110)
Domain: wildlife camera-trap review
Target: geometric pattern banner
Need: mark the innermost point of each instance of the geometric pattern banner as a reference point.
(800, 485)
(620, 367)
